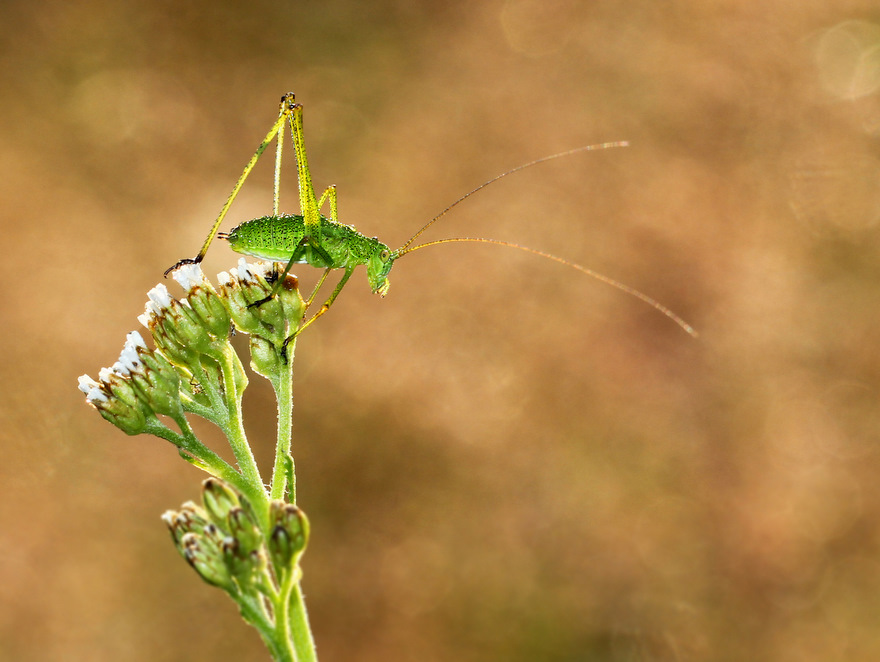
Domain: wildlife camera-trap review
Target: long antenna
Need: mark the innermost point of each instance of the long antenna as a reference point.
(589, 272)
(586, 148)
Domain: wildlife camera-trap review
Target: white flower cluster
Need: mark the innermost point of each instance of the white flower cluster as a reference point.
(129, 363)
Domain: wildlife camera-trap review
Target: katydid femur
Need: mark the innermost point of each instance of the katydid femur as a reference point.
(312, 238)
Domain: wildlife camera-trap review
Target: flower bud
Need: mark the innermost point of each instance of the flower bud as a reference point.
(265, 357)
(242, 564)
(116, 400)
(250, 284)
(288, 537)
(219, 498)
(203, 299)
(206, 557)
(243, 527)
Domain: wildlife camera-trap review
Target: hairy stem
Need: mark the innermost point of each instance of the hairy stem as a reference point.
(284, 469)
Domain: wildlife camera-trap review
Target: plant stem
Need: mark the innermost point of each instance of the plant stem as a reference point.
(279, 647)
(235, 429)
(303, 642)
(282, 619)
(283, 385)
(205, 458)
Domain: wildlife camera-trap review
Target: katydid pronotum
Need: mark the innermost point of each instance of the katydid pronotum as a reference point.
(312, 238)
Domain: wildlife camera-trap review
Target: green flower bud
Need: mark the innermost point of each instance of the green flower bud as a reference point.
(243, 527)
(265, 357)
(116, 399)
(161, 318)
(203, 300)
(219, 498)
(293, 303)
(243, 565)
(199, 542)
(274, 318)
(189, 328)
(206, 557)
(288, 537)
(131, 419)
(190, 519)
(245, 286)
(166, 374)
(161, 395)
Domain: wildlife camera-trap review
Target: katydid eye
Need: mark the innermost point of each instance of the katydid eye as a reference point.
(384, 255)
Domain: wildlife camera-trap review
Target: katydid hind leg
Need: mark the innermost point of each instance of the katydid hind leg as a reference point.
(308, 201)
(287, 107)
(330, 194)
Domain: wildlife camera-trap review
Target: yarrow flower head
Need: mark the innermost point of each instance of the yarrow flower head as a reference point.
(222, 540)
(193, 368)
(274, 319)
(140, 384)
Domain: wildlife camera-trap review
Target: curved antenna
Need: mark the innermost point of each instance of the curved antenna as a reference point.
(586, 148)
(589, 272)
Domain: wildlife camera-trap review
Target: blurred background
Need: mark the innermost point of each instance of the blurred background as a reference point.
(503, 459)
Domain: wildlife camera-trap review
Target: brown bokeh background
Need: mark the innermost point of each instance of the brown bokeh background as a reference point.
(502, 460)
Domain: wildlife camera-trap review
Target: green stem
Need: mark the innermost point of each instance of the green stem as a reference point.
(193, 407)
(303, 643)
(253, 612)
(235, 429)
(187, 442)
(283, 385)
(207, 460)
(291, 619)
(282, 621)
(226, 402)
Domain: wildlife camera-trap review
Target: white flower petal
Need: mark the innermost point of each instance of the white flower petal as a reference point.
(136, 339)
(129, 361)
(160, 298)
(86, 384)
(262, 268)
(96, 395)
(244, 270)
(189, 276)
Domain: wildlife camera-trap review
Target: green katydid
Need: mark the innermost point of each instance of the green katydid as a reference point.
(312, 238)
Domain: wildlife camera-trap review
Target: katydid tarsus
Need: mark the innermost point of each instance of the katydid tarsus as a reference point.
(312, 238)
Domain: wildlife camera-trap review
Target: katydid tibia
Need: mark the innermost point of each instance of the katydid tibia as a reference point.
(312, 238)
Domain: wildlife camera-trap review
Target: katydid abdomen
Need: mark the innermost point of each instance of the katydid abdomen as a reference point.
(277, 238)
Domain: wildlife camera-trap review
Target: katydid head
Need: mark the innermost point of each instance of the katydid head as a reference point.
(378, 266)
